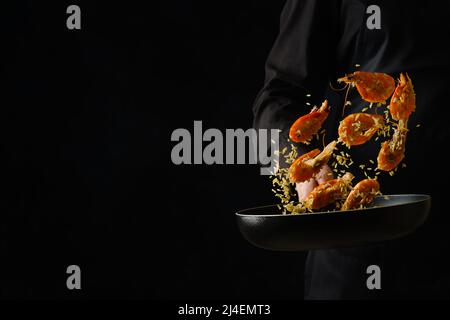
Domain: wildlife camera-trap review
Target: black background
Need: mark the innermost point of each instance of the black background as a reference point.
(86, 119)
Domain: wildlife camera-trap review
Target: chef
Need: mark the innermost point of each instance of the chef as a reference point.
(320, 41)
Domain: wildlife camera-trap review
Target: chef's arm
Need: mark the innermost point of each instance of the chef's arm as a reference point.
(301, 62)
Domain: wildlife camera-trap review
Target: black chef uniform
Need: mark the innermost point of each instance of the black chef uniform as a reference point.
(322, 40)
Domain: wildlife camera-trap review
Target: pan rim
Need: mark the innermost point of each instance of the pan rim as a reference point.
(424, 198)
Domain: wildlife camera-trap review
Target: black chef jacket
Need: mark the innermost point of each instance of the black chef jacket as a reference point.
(322, 40)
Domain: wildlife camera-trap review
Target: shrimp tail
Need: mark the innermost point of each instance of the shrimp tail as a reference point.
(324, 107)
(348, 177)
(325, 155)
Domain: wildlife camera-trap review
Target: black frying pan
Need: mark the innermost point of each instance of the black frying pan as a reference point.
(390, 217)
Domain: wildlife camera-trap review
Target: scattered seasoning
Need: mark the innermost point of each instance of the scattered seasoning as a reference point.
(283, 188)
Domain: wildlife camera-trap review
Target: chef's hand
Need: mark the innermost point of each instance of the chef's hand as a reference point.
(304, 188)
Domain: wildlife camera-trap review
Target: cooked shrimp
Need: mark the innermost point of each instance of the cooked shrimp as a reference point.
(362, 194)
(403, 102)
(392, 152)
(299, 172)
(308, 125)
(309, 164)
(329, 192)
(372, 86)
(358, 128)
